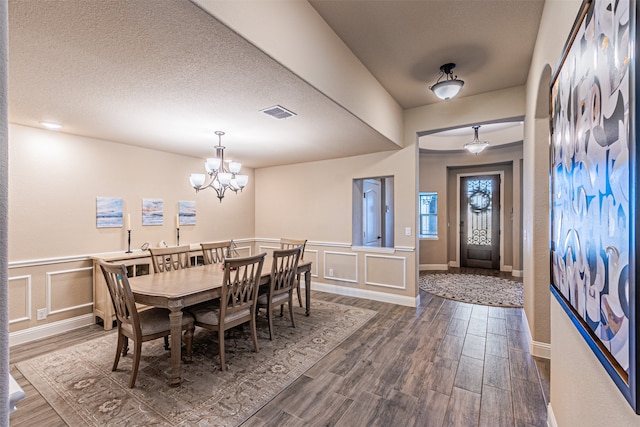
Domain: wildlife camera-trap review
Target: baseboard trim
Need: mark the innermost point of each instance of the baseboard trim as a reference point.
(50, 329)
(551, 418)
(365, 294)
(517, 273)
(540, 349)
(454, 264)
(438, 267)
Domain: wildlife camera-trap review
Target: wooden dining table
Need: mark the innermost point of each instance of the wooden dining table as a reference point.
(178, 289)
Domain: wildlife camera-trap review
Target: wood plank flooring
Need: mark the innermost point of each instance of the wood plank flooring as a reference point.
(444, 363)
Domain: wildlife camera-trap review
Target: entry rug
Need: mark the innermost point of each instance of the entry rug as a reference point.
(80, 386)
(474, 289)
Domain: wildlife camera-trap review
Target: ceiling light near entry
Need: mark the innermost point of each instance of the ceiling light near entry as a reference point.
(51, 125)
(476, 146)
(450, 86)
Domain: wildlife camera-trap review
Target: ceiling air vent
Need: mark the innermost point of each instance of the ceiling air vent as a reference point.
(278, 112)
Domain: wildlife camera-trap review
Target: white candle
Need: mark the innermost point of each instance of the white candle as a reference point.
(177, 220)
(129, 222)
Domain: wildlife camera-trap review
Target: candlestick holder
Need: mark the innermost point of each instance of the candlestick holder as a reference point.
(128, 242)
(177, 236)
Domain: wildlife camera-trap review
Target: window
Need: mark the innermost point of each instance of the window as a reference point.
(428, 203)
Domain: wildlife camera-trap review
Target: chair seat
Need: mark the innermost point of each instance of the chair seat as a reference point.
(156, 320)
(209, 315)
(264, 298)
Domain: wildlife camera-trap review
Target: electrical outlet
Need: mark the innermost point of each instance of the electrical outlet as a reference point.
(407, 231)
(331, 272)
(41, 314)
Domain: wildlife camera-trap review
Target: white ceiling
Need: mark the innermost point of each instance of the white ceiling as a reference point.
(165, 74)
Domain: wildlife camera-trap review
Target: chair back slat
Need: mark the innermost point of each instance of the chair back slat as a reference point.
(121, 295)
(293, 243)
(168, 259)
(240, 283)
(215, 252)
(284, 270)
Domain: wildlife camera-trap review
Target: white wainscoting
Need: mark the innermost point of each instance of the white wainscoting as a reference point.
(26, 315)
(51, 274)
(400, 270)
(353, 278)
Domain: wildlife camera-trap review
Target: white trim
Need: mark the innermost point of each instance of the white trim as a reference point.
(239, 248)
(405, 249)
(551, 418)
(517, 273)
(313, 263)
(404, 271)
(454, 264)
(50, 329)
(366, 294)
(437, 267)
(536, 348)
(540, 349)
(373, 249)
(262, 247)
(28, 296)
(460, 175)
(48, 261)
(324, 271)
(507, 268)
(49, 274)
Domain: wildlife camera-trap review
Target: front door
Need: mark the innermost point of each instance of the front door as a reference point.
(480, 221)
(371, 212)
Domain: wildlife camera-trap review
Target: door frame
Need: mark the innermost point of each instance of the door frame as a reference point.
(457, 224)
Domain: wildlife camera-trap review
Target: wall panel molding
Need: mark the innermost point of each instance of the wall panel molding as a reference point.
(340, 279)
(49, 290)
(403, 260)
(27, 303)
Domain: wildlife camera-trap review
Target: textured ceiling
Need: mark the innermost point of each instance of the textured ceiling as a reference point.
(165, 74)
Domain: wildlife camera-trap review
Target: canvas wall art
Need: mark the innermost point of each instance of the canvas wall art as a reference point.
(187, 213)
(152, 213)
(108, 212)
(592, 243)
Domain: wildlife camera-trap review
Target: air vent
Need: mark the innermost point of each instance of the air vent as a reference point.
(278, 112)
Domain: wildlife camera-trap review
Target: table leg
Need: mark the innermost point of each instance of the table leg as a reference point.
(307, 291)
(175, 320)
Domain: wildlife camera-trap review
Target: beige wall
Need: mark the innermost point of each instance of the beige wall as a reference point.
(314, 201)
(54, 179)
(438, 172)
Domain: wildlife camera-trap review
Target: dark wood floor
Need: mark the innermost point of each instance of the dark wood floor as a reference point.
(444, 363)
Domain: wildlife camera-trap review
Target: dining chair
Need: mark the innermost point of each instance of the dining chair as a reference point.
(215, 252)
(281, 284)
(237, 304)
(290, 244)
(171, 258)
(139, 326)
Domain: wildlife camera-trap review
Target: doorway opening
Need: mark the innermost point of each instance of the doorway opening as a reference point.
(480, 221)
(372, 215)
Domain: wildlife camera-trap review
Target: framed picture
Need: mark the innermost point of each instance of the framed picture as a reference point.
(593, 185)
(152, 212)
(108, 212)
(187, 213)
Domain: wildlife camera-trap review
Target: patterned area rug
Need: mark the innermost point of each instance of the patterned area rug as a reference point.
(80, 386)
(473, 288)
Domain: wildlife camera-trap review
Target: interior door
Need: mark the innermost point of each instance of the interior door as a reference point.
(371, 213)
(480, 221)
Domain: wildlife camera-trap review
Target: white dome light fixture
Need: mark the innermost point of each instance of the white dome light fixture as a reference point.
(476, 146)
(450, 86)
(222, 177)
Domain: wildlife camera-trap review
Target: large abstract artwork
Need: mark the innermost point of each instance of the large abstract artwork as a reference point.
(592, 243)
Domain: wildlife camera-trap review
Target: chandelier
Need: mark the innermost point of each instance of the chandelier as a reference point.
(450, 86)
(222, 177)
(476, 146)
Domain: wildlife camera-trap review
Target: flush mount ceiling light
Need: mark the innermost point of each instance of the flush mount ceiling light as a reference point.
(51, 125)
(450, 86)
(222, 177)
(476, 146)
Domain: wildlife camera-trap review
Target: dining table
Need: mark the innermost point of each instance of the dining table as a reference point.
(178, 289)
